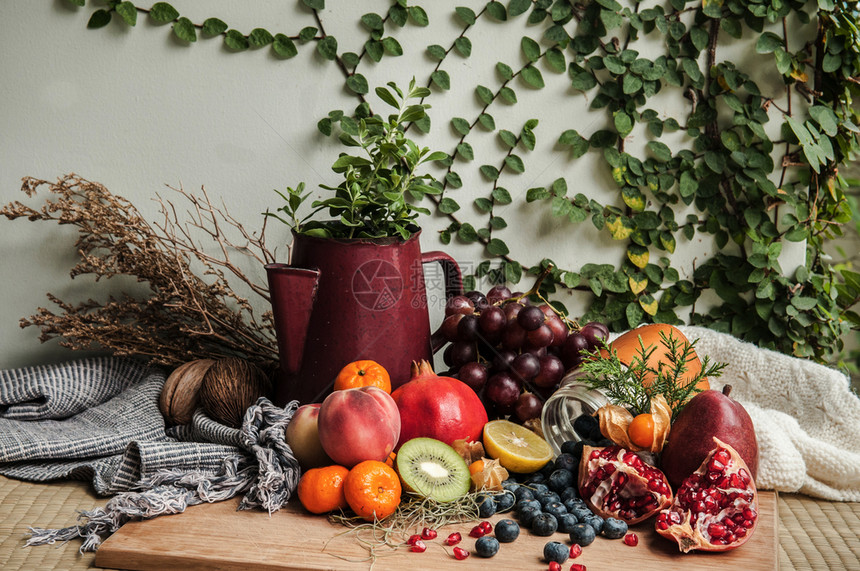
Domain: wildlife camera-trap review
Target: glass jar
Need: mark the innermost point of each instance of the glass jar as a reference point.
(572, 399)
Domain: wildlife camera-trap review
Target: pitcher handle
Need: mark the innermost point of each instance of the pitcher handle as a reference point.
(453, 285)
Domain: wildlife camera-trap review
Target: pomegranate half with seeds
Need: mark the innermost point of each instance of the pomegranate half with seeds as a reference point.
(715, 508)
(616, 482)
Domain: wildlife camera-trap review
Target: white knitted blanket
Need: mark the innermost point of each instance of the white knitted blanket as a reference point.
(806, 417)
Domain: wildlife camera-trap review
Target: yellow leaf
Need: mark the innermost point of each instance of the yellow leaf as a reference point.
(618, 174)
(638, 255)
(637, 283)
(721, 80)
(633, 198)
(668, 242)
(648, 304)
(799, 75)
(618, 229)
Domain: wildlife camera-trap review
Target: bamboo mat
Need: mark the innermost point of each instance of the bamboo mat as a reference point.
(813, 534)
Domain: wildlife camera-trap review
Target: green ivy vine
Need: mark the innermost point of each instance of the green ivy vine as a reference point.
(726, 173)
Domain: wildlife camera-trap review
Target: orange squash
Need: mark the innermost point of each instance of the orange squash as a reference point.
(628, 349)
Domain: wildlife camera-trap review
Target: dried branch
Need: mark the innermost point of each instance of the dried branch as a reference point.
(186, 316)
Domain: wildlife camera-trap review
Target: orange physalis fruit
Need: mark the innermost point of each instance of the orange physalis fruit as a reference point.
(372, 489)
(321, 489)
(364, 373)
(641, 430)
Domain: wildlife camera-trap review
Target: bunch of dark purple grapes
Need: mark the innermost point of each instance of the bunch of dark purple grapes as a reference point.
(512, 352)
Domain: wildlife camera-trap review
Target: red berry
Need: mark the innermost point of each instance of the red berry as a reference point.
(575, 550)
(454, 539)
(554, 566)
(428, 533)
(419, 546)
(412, 539)
(460, 553)
(577, 567)
(631, 539)
(486, 527)
(477, 531)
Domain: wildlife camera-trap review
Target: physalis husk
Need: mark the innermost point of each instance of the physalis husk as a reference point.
(615, 420)
(491, 477)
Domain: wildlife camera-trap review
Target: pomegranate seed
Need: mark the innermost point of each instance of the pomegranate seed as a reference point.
(460, 553)
(577, 567)
(486, 527)
(554, 566)
(428, 533)
(454, 539)
(419, 546)
(575, 550)
(477, 531)
(631, 539)
(716, 530)
(413, 539)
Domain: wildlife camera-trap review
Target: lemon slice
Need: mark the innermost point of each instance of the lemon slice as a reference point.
(516, 447)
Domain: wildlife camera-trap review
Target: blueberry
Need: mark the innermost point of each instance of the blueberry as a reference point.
(544, 524)
(560, 479)
(510, 484)
(581, 511)
(577, 449)
(539, 488)
(566, 522)
(556, 551)
(527, 515)
(504, 501)
(614, 528)
(486, 546)
(555, 508)
(507, 530)
(567, 461)
(536, 478)
(594, 521)
(568, 446)
(548, 498)
(596, 435)
(569, 493)
(486, 506)
(524, 493)
(582, 534)
(602, 442)
(525, 503)
(584, 424)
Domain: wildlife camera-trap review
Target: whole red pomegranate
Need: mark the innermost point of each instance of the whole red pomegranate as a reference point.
(438, 407)
(716, 508)
(616, 482)
(708, 415)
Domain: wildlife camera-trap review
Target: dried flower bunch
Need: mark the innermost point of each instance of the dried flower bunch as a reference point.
(188, 315)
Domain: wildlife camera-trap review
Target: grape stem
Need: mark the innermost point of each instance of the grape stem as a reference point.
(535, 290)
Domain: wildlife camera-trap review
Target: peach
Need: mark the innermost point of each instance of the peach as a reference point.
(359, 424)
(304, 438)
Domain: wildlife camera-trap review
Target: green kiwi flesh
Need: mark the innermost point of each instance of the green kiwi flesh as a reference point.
(432, 469)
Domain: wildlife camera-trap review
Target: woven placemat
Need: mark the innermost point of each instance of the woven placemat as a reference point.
(813, 534)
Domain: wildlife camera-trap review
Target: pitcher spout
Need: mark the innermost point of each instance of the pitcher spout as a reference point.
(293, 292)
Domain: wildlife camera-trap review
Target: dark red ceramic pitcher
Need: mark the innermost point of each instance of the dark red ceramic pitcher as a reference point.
(339, 301)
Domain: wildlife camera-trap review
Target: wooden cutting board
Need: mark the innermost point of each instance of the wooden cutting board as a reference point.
(216, 536)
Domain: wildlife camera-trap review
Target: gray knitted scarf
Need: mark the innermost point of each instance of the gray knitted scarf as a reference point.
(98, 419)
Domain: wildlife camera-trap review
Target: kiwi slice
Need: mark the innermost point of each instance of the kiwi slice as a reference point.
(431, 468)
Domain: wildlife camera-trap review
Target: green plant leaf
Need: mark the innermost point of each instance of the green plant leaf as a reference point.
(467, 15)
(623, 123)
(463, 45)
(327, 47)
(532, 76)
(436, 52)
(358, 84)
(163, 12)
(307, 33)
(314, 4)
(483, 205)
(583, 81)
(518, 7)
(497, 247)
(184, 29)
(826, 119)
(497, 11)
(284, 47)
(392, 46)
(508, 138)
(768, 42)
(81, 3)
(530, 49)
(448, 206)
(461, 125)
(556, 61)
(489, 171)
(660, 150)
(508, 95)
(127, 12)
(215, 27)
(235, 40)
(441, 78)
(99, 19)
(465, 151)
(484, 94)
(487, 122)
(502, 196)
(515, 163)
(373, 21)
(259, 38)
(505, 71)
(418, 15)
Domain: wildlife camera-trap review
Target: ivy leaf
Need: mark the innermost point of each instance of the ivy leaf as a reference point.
(667, 240)
(358, 84)
(487, 122)
(518, 7)
(508, 95)
(502, 196)
(163, 12)
(436, 52)
(314, 4)
(660, 150)
(464, 46)
(638, 255)
(128, 12)
(497, 247)
(484, 205)
(515, 163)
(99, 19)
(392, 46)
(398, 14)
(259, 38)
(284, 46)
(441, 78)
(623, 123)
(583, 81)
(530, 48)
(307, 33)
(579, 145)
(648, 303)
(467, 15)
(490, 172)
(634, 314)
(184, 30)
(631, 84)
(538, 193)
(826, 119)
(81, 3)
(216, 27)
(637, 283)
(448, 206)
(327, 47)
(418, 15)
(235, 40)
(461, 125)
(505, 71)
(484, 94)
(768, 42)
(508, 138)
(465, 150)
(497, 11)
(373, 21)
(532, 76)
